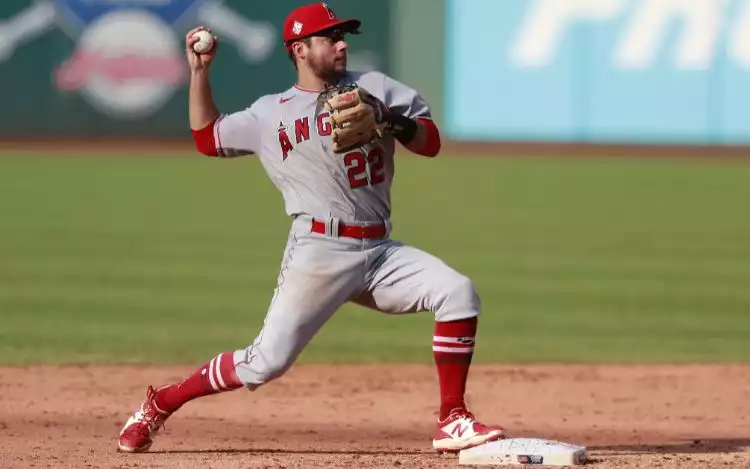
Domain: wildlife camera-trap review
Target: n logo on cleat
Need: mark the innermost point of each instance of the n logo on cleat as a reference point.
(459, 430)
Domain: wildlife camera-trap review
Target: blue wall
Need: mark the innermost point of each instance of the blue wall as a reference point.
(598, 70)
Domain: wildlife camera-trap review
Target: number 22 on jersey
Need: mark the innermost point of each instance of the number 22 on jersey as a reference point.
(357, 163)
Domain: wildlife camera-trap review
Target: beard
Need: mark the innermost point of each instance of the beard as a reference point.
(330, 72)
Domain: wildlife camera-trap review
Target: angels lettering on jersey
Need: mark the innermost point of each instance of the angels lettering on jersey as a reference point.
(364, 165)
(301, 131)
(291, 134)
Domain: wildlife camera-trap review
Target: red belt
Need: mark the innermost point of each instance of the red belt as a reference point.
(353, 231)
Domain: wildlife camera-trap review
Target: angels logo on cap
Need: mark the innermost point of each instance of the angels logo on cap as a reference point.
(316, 17)
(331, 14)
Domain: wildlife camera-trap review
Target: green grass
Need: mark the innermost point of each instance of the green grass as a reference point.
(169, 260)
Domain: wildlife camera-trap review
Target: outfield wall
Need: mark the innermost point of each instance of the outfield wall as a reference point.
(117, 68)
(636, 71)
(495, 72)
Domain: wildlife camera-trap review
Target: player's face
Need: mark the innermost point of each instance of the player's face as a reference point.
(327, 55)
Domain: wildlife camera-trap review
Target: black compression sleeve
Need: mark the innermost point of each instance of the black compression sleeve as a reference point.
(403, 128)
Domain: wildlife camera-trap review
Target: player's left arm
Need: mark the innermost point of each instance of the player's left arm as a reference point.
(411, 118)
(419, 135)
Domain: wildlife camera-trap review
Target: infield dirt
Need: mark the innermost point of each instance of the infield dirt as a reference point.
(370, 416)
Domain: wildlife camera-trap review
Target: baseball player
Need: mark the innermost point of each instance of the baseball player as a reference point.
(328, 144)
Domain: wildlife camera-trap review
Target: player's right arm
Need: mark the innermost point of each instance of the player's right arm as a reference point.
(215, 134)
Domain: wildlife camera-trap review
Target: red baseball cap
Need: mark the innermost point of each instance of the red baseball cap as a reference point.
(314, 18)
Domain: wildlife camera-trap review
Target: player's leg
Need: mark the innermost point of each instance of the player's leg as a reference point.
(314, 281)
(404, 279)
(407, 280)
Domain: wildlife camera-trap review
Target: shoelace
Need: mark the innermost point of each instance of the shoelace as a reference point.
(464, 414)
(150, 417)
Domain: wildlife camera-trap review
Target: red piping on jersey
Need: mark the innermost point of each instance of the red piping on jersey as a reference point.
(432, 144)
(204, 138)
(306, 90)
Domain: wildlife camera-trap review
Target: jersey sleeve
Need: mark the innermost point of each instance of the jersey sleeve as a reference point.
(404, 100)
(237, 134)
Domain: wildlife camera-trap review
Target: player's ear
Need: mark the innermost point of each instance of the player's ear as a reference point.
(299, 49)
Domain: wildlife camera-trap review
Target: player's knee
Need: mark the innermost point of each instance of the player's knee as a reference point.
(258, 368)
(276, 367)
(459, 300)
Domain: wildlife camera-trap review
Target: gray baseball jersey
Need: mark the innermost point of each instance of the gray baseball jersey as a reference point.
(291, 135)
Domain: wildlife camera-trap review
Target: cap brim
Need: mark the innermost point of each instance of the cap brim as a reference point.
(350, 26)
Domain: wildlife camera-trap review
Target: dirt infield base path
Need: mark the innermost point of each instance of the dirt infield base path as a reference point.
(379, 416)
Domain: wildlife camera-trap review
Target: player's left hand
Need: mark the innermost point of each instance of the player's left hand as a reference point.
(357, 116)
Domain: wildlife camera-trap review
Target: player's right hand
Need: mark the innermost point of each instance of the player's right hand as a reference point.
(199, 62)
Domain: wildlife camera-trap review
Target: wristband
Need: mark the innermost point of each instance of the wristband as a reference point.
(402, 128)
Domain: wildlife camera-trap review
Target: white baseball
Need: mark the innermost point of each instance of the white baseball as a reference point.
(206, 42)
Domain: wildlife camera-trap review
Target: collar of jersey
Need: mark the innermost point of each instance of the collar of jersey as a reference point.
(344, 79)
(305, 90)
